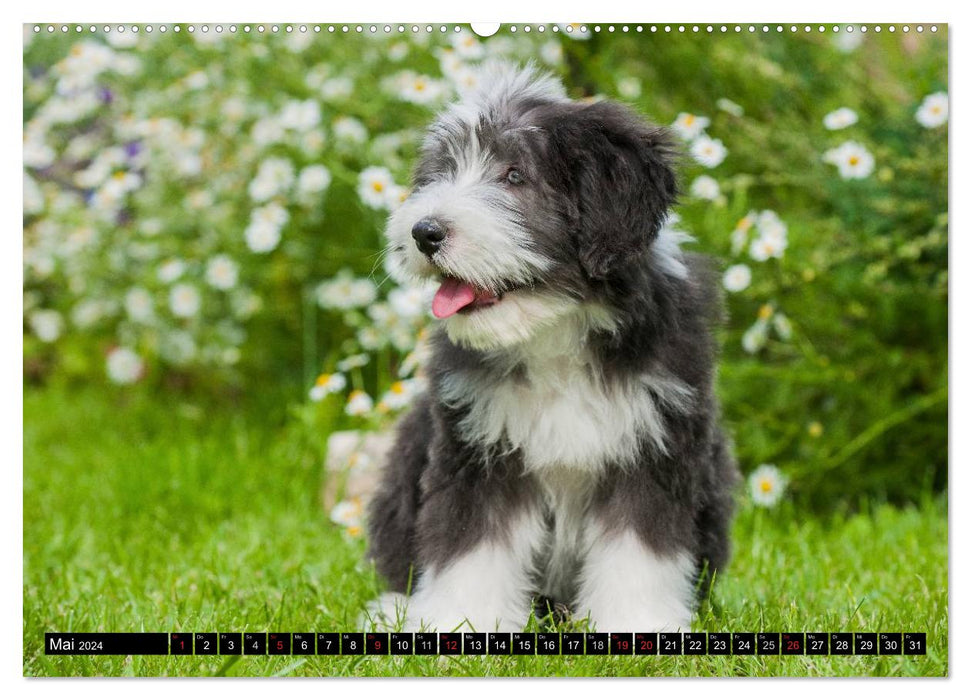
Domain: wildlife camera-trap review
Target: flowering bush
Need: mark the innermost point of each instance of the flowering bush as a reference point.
(209, 207)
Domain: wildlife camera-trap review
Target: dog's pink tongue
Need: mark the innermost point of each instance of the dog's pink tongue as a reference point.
(451, 297)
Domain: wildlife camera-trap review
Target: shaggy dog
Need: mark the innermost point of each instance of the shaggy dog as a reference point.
(568, 445)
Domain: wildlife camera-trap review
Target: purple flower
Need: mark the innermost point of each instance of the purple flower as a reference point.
(106, 95)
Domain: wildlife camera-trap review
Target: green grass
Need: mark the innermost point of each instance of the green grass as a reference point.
(144, 516)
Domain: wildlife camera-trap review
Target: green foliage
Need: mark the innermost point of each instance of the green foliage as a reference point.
(834, 362)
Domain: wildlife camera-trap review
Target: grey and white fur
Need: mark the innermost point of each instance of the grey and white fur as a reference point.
(568, 446)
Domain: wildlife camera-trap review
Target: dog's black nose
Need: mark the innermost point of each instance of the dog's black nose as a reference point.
(428, 234)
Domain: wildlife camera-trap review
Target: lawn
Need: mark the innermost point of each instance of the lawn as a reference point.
(193, 516)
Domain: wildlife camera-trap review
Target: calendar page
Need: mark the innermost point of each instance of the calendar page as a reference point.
(409, 349)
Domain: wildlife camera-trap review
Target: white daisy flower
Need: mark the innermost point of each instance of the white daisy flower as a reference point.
(349, 130)
(196, 80)
(737, 278)
(372, 186)
(690, 126)
(409, 302)
(359, 403)
(397, 51)
(773, 237)
(763, 248)
(124, 366)
(705, 187)
(348, 513)
(353, 362)
(708, 151)
(274, 176)
(37, 153)
(396, 196)
(222, 272)
(171, 270)
(345, 291)
(399, 395)
(552, 53)
(184, 300)
(766, 485)
(234, 109)
(465, 79)
(371, 338)
(629, 88)
(300, 115)
(337, 88)
(327, 384)
(139, 305)
(467, 47)
(87, 313)
(312, 180)
(420, 89)
(933, 110)
(262, 236)
(840, 119)
(852, 159)
(266, 131)
(754, 338)
(740, 233)
(46, 324)
(263, 233)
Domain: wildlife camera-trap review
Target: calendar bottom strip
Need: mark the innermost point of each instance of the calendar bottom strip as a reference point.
(480, 643)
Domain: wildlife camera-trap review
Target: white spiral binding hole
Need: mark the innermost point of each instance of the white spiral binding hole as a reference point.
(512, 29)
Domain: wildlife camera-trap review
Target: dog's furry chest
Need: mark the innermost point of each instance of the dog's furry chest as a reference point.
(564, 416)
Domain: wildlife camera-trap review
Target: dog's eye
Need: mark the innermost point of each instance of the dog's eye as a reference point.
(514, 177)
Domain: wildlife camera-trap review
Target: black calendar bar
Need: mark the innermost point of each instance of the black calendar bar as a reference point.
(103, 643)
(492, 644)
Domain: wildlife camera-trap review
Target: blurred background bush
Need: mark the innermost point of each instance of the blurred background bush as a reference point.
(203, 213)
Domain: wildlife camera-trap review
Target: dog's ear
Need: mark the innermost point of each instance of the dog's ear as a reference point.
(621, 178)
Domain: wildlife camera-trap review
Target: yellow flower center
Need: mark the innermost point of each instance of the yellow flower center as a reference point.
(378, 186)
(398, 388)
(323, 379)
(854, 160)
(935, 109)
(689, 120)
(765, 486)
(354, 530)
(765, 312)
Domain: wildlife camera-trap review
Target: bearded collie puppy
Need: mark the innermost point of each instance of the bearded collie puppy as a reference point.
(568, 446)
